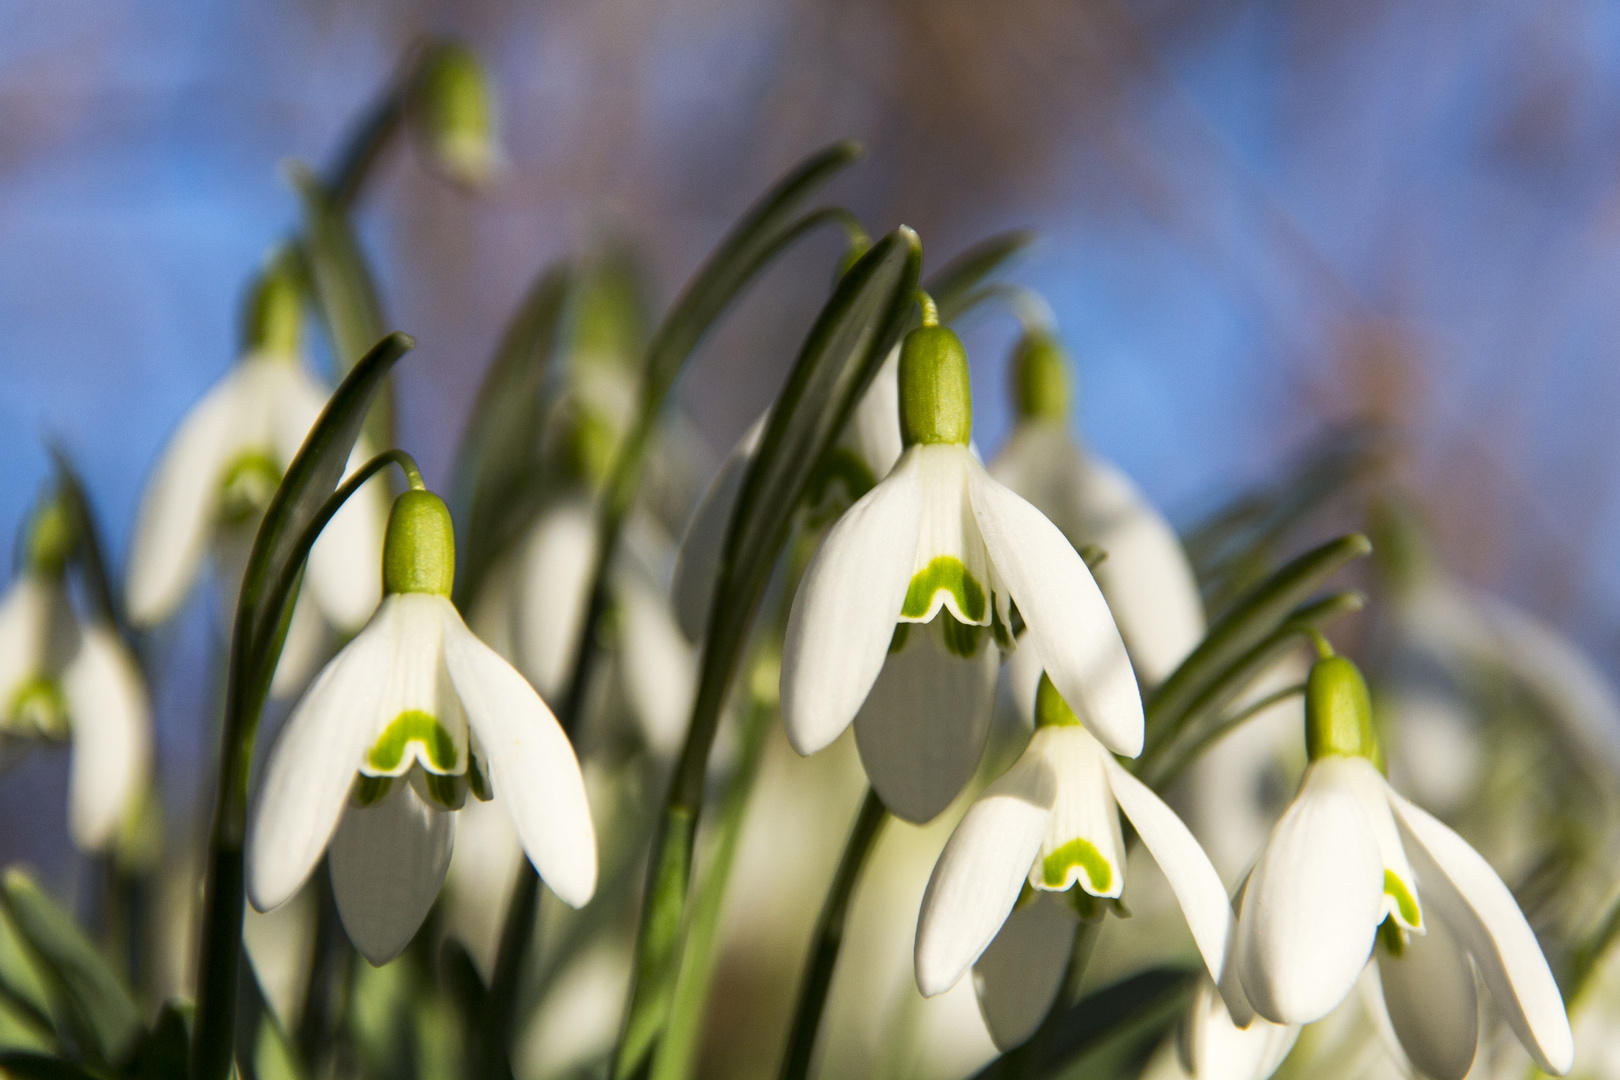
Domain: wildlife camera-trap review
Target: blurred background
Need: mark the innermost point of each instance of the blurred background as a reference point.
(1259, 219)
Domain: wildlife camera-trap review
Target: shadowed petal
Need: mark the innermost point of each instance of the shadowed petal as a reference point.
(1212, 1047)
(1068, 620)
(1481, 912)
(112, 737)
(660, 671)
(532, 767)
(314, 763)
(177, 509)
(922, 729)
(32, 614)
(697, 564)
(1401, 900)
(1191, 875)
(388, 862)
(1429, 995)
(846, 609)
(554, 581)
(981, 871)
(1018, 976)
(1312, 904)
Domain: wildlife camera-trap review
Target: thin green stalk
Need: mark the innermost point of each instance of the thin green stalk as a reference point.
(829, 938)
(367, 140)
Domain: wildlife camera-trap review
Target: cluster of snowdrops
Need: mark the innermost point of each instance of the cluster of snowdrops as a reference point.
(1038, 671)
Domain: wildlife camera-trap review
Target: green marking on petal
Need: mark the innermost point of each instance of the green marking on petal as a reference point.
(370, 790)
(1005, 640)
(1392, 937)
(449, 792)
(898, 642)
(944, 574)
(1050, 708)
(249, 482)
(38, 707)
(477, 781)
(960, 638)
(413, 727)
(1057, 869)
(1404, 901)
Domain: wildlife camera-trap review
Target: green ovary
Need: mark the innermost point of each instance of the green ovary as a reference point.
(945, 573)
(1082, 853)
(1404, 901)
(437, 750)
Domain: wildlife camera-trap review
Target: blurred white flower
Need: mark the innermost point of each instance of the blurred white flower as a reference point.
(1050, 822)
(414, 697)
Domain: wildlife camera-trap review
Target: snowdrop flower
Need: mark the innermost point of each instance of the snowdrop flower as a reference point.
(939, 542)
(1211, 1047)
(65, 678)
(410, 716)
(1351, 856)
(1146, 579)
(456, 117)
(225, 461)
(1049, 823)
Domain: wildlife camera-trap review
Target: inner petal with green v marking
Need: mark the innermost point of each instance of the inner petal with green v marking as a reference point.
(1406, 907)
(952, 568)
(1064, 867)
(413, 736)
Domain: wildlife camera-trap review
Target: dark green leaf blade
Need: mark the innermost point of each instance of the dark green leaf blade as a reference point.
(342, 281)
(952, 284)
(163, 1052)
(89, 548)
(86, 992)
(23, 1065)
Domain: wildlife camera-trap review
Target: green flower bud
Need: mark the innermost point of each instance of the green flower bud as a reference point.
(1338, 711)
(1040, 373)
(272, 318)
(457, 114)
(419, 552)
(51, 536)
(936, 397)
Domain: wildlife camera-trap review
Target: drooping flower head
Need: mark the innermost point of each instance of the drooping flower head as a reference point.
(222, 465)
(942, 556)
(1049, 824)
(1352, 863)
(455, 114)
(63, 677)
(412, 715)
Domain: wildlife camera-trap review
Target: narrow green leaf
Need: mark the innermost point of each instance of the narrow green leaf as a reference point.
(86, 993)
(859, 324)
(493, 493)
(1255, 615)
(22, 987)
(954, 283)
(163, 1051)
(89, 549)
(23, 1065)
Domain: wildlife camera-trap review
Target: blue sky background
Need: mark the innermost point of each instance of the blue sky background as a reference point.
(1259, 218)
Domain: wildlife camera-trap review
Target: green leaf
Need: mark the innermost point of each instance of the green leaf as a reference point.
(163, 1051)
(855, 331)
(493, 489)
(1124, 1015)
(88, 546)
(23, 1065)
(952, 285)
(1251, 618)
(343, 287)
(90, 998)
(22, 987)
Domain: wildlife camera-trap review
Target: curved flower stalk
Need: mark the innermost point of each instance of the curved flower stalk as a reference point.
(1352, 861)
(216, 476)
(394, 732)
(67, 678)
(938, 541)
(1049, 823)
(1146, 578)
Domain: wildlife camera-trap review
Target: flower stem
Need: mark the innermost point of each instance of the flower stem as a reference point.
(829, 937)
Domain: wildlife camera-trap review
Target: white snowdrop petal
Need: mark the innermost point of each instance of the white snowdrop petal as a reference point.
(1191, 875)
(1215, 1048)
(554, 584)
(532, 767)
(950, 556)
(1083, 845)
(112, 737)
(873, 431)
(1429, 995)
(313, 764)
(697, 564)
(178, 506)
(1373, 792)
(923, 726)
(388, 862)
(659, 666)
(1312, 903)
(981, 871)
(1018, 976)
(846, 609)
(25, 627)
(1068, 618)
(301, 649)
(1478, 908)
